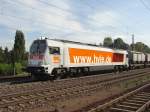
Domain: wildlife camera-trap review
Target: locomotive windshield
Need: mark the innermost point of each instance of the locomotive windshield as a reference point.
(38, 47)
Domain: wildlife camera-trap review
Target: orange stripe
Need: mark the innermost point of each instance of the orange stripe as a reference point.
(88, 53)
(56, 59)
(93, 56)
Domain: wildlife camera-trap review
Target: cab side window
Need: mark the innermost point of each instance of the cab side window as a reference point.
(54, 50)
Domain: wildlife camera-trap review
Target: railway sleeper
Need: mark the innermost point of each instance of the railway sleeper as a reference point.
(128, 107)
(140, 99)
(73, 93)
(11, 108)
(135, 101)
(143, 96)
(113, 109)
(131, 104)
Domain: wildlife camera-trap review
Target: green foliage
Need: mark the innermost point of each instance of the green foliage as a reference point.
(107, 42)
(18, 68)
(146, 49)
(140, 47)
(1, 55)
(19, 46)
(118, 43)
(7, 56)
(16, 58)
(6, 69)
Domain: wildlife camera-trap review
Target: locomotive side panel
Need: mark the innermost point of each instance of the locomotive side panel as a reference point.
(80, 56)
(59, 57)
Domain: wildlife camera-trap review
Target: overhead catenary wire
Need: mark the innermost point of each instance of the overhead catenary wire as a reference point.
(50, 5)
(125, 31)
(92, 7)
(41, 21)
(51, 25)
(41, 12)
(58, 29)
(37, 10)
(145, 5)
(72, 12)
(55, 6)
(37, 21)
(109, 6)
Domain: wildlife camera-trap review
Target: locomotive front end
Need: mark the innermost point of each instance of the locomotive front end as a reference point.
(36, 59)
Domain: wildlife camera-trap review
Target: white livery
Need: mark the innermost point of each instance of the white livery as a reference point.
(56, 57)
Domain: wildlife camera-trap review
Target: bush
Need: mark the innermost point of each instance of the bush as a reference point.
(18, 68)
(24, 63)
(7, 69)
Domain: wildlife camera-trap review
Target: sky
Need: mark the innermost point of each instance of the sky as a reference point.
(86, 21)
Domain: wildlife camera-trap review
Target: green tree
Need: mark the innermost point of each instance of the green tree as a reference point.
(146, 49)
(19, 46)
(140, 47)
(120, 44)
(1, 55)
(6, 55)
(126, 46)
(107, 42)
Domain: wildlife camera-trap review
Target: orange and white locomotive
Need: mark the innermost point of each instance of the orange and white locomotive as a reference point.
(57, 58)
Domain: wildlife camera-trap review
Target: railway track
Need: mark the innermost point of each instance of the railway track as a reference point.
(66, 83)
(28, 97)
(13, 79)
(28, 79)
(135, 101)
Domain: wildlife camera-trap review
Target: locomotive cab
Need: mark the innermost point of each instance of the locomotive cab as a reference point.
(36, 59)
(44, 56)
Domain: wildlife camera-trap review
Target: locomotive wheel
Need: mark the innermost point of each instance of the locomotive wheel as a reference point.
(57, 77)
(127, 68)
(120, 68)
(80, 71)
(115, 69)
(61, 75)
(86, 71)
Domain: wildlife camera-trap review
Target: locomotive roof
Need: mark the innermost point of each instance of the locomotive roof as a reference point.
(68, 41)
(80, 43)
